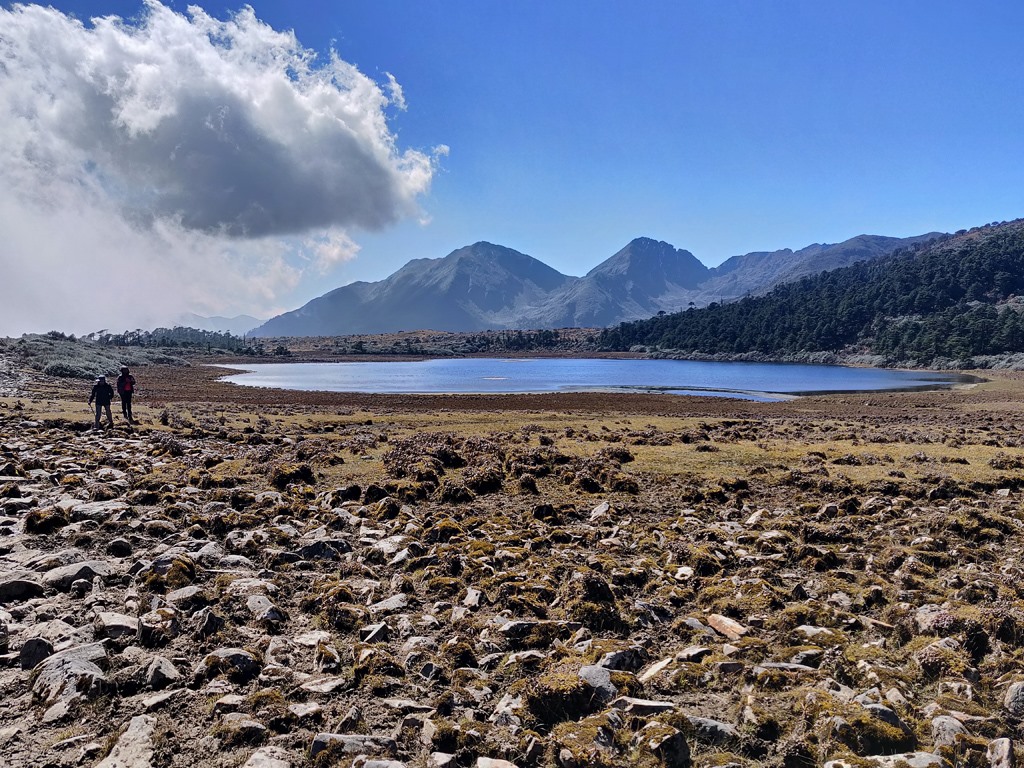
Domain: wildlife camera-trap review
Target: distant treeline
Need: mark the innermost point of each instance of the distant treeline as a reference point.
(185, 338)
(951, 298)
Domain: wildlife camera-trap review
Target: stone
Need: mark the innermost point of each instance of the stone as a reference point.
(493, 762)
(207, 622)
(269, 757)
(63, 576)
(903, 760)
(19, 590)
(600, 681)
(242, 728)
(1000, 754)
(1013, 700)
(114, 625)
(390, 604)
(188, 599)
(642, 707)
(726, 626)
(351, 744)
(161, 673)
(946, 730)
(624, 660)
(64, 678)
(714, 732)
(654, 670)
(693, 654)
(666, 743)
(119, 548)
(134, 748)
(375, 633)
(33, 651)
(158, 627)
(237, 664)
(263, 610)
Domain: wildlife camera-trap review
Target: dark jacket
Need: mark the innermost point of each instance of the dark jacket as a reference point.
(102, 393)
(125, 384)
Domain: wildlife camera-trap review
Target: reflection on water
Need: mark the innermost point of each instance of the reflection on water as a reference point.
(753, 381)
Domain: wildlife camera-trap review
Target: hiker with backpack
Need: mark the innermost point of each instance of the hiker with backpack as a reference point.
(102, 394)
(125, 388)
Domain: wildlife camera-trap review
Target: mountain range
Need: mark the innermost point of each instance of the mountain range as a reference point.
(491, 287)
(237, 325)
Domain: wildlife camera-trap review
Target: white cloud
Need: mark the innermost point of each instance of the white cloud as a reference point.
(331, 249)
(165, 165)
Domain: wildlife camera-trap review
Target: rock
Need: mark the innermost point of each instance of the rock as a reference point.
(134, 748)
(325, 549)
(493, 762)
(188, 599)
(1013, 700)
(715, 733)
(158, 627)
(239, 665)
(1000, 754)
(391, 604)
(33, 651)
(642, 707)
(624, 660)
(654, 670)
(62, 577)
(693, 654)
(269, 757)
(440, 760)
(666, 743)
(904, 760)
(946, 730)
(306, 712)
(161, 673)
(264, 611)
(208, 622)
(114, 625)
(239, 728)
(726, 626)
(119, 548)
(600, 681)
(19, 590)
(375, 633)
(351, 744)
(64, 678)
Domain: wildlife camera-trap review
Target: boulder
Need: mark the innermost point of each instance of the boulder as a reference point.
(63, 679)
(63, 576)
(134, 748)
(351, 744)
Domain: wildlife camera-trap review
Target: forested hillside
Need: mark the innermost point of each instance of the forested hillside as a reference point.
(955, 297)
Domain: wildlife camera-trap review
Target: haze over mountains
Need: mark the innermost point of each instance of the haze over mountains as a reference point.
(491, 287)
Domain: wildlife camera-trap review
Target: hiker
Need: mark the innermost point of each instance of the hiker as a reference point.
(125, 388)
(102, 393)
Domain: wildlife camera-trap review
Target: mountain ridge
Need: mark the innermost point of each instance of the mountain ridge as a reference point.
(485, 286)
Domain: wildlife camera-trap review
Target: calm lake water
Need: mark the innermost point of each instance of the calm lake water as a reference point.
(754, 381)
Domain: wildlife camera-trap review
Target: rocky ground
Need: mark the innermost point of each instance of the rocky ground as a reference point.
(259, 578)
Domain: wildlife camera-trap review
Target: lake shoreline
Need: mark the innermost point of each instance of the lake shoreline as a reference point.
(488, 376)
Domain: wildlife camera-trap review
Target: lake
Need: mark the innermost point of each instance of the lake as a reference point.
(752, 381)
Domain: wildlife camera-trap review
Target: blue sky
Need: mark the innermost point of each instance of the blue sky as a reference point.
(721, 127)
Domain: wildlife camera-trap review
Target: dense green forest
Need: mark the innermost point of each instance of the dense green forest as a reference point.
(953, 298)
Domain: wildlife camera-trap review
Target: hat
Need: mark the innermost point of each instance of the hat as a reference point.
(124, 368)
(101, 378)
